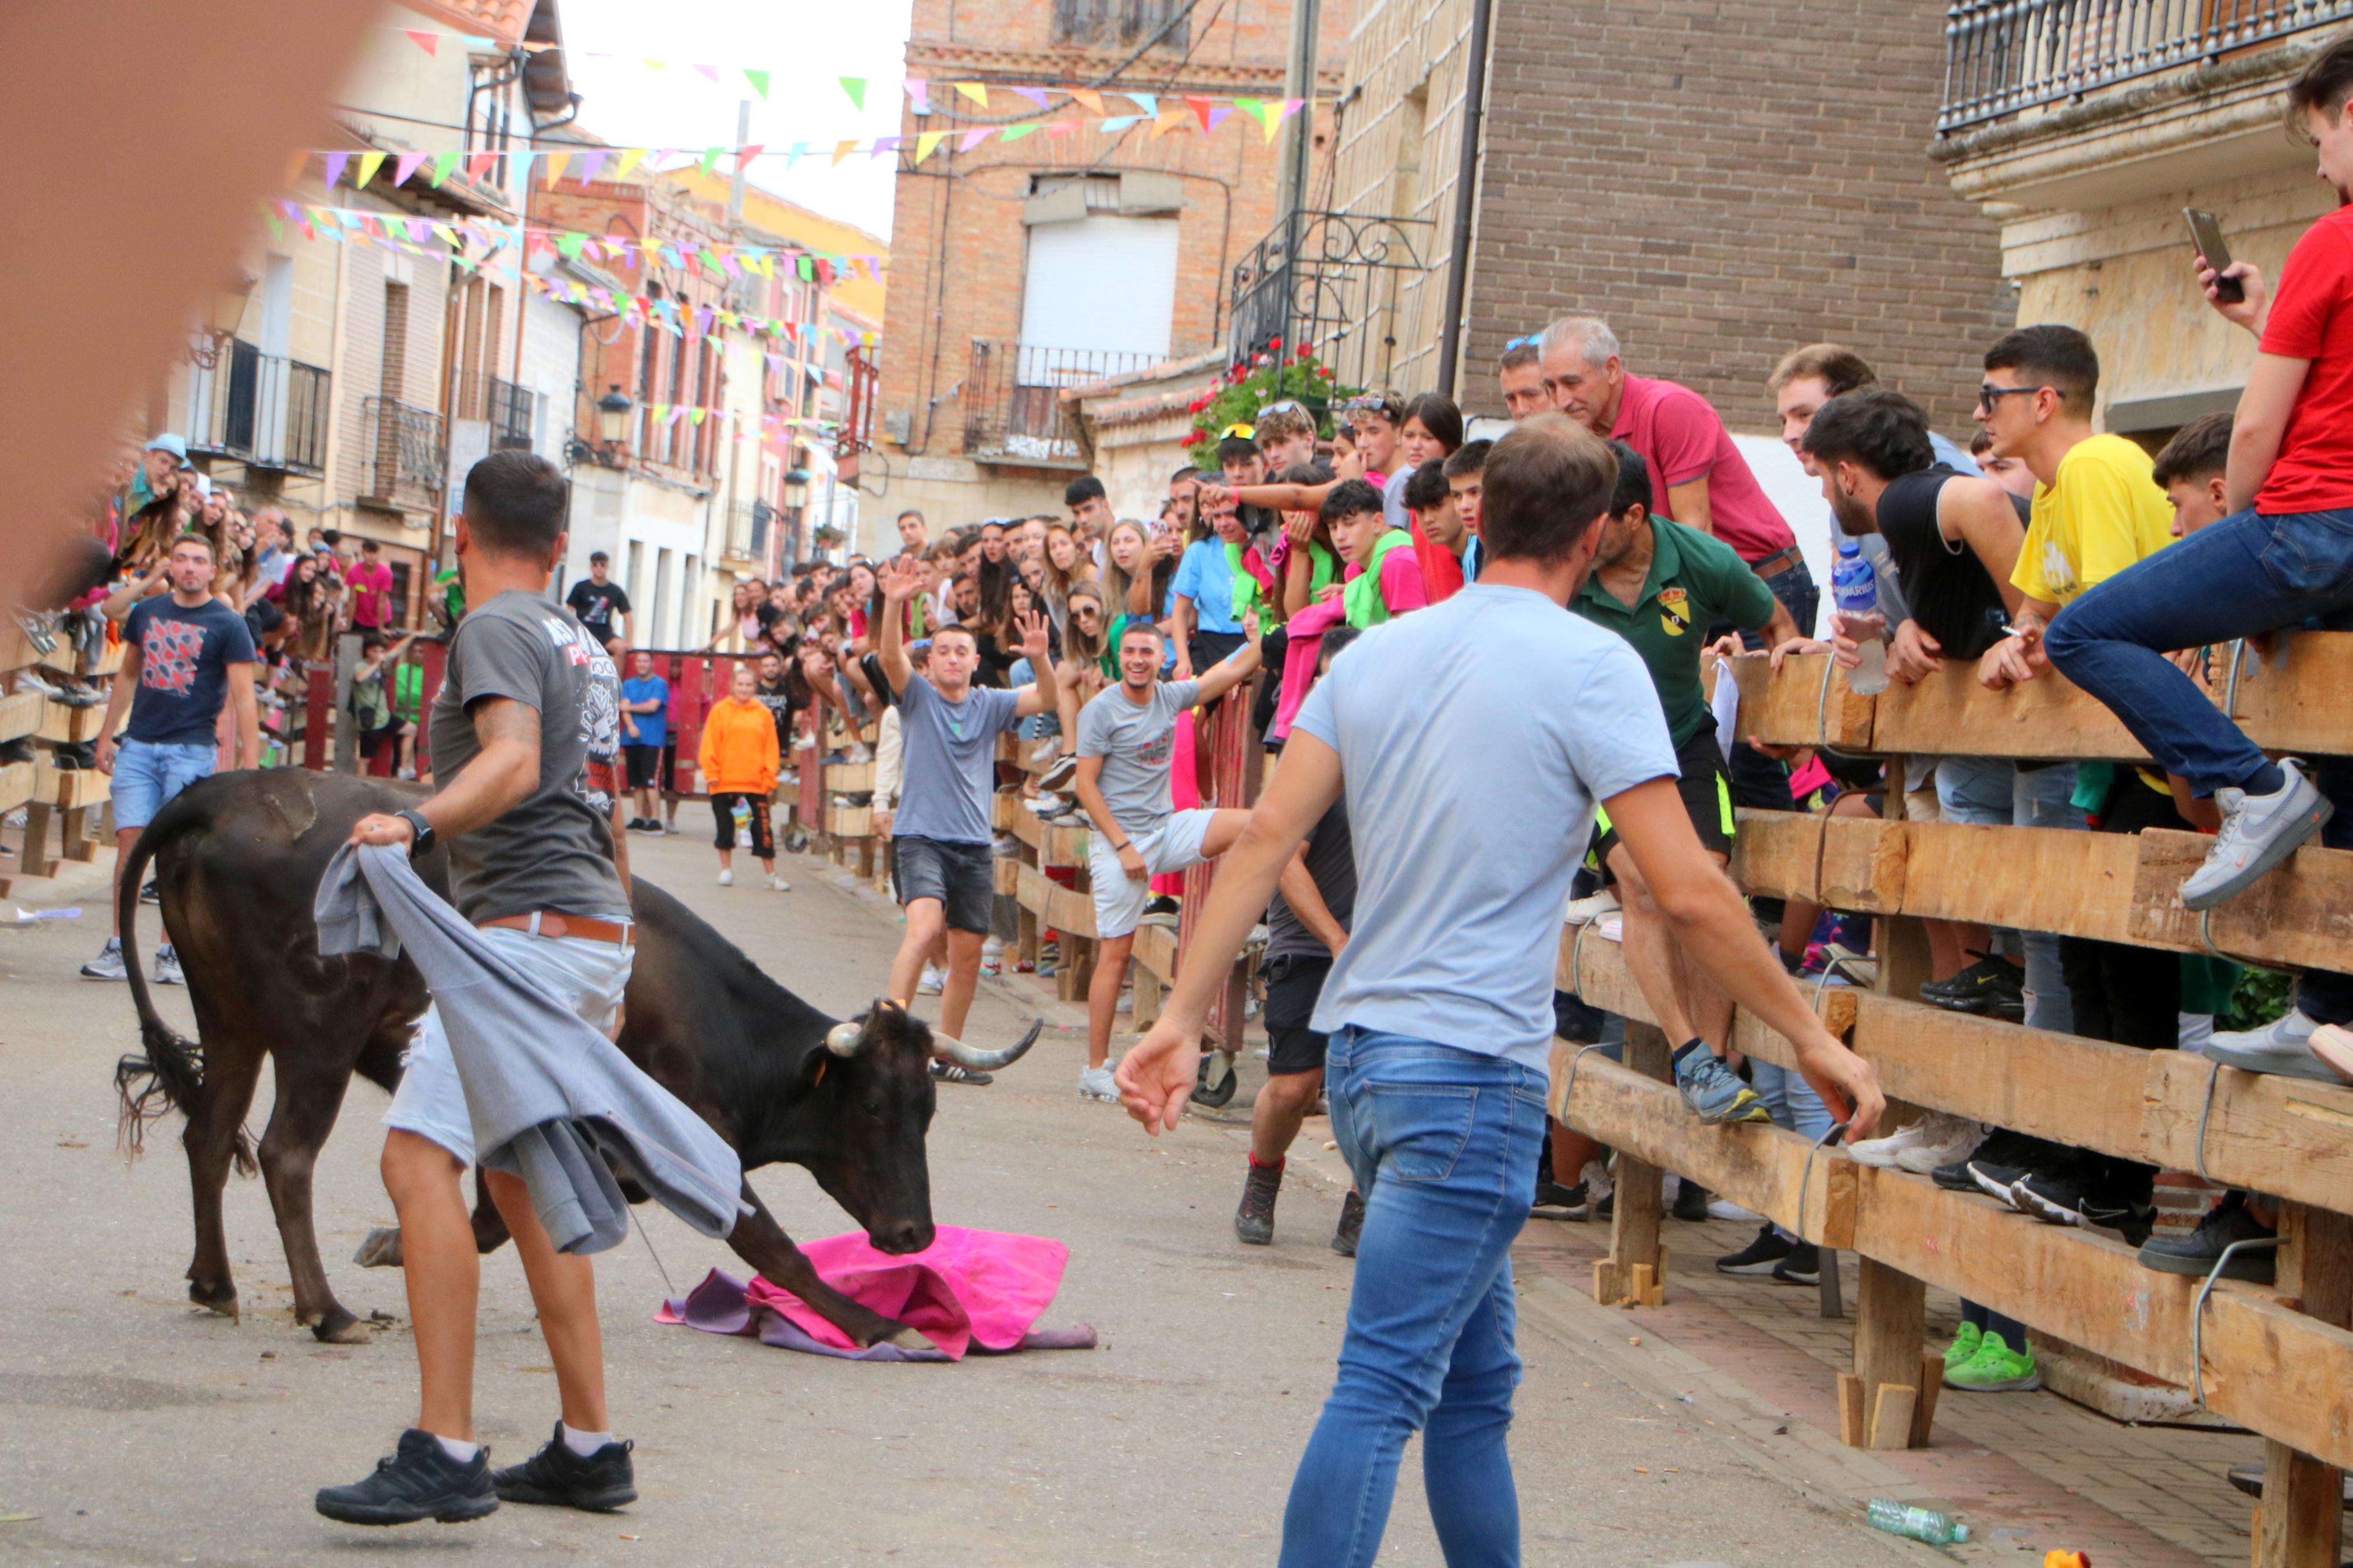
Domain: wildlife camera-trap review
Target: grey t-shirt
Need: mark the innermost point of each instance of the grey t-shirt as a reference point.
(1331, 866)
(1137, 742)
(554, 851)
(949, 761)
(1469, 814)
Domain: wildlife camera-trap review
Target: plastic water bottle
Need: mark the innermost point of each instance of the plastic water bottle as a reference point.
(1857, 591)
(1919, 1523)
(742, 813)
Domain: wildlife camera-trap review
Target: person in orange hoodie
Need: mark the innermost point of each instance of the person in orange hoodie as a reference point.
(739, 761)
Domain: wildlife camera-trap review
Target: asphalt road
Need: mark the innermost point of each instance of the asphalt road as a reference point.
(142, 1430)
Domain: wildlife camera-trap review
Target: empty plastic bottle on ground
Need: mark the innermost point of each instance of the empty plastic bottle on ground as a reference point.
(1919, 1523)
(1858, 601)
(743, 825)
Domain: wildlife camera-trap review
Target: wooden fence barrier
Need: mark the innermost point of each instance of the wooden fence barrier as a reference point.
(2278, 1360)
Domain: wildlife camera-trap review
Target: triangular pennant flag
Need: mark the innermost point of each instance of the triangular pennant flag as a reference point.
(1117, 123)
(1015, 132)
(974, 91)
(842, 150)
(670, 254)
(759, 80)
(420, 229)
(711, 158)
(444, 165)
(571, 245)
(1201, 108)
(743, 155)
(919, 93)
(292, 211)
(1090, 97)
(657, 65)
(694, 415)
(335, 164)
(926, 144)
(448, 237)
(430, 42)
(1219, 114)
(1060, 127)
(630, 158)
(478, 165)
(974, 138)
(592, 163)
(369, 163)
(883, 144)
(661, 412)
(1147, 102)
(519, 167)
(727, 259)
(1169, 120)
(295, 161)
(557, 163)
(711, 71)
(277, 224)
(1256, 107)
(854, 85)
(1292, 106)
(1036, 95)
(775, 363)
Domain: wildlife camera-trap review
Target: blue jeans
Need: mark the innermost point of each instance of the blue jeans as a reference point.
(2245, 575)
(2043, 798)
(1037, 725)
(149, 773)
(1444, 1143)
(1791, 1099)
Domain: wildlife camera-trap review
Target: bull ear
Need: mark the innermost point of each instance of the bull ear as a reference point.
(843, 1039)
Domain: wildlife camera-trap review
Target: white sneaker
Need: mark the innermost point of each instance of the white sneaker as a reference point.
(2282, 1046)
(777, 884)
(1128, 999)
(167, 967)
(727, 878)
(1096, 1083)
(932, 982)
(1941, 1140)
(2258, 832)
(108, 964)
(1934, 1129)
(1591, 907)
(1596, 1177)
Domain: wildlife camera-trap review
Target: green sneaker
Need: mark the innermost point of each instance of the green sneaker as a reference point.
(1964, 1346)
(1996, 1369)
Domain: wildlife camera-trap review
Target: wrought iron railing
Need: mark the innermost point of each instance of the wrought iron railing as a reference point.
(264, 410)
(1013, 410)
(407, 458)
(749, 523)
(1322, 277)
(2001, 56)
(513, 412)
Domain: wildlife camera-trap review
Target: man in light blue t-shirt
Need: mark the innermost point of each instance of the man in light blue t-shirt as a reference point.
(1469, 817)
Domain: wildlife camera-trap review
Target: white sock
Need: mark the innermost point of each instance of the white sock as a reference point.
(583, 1444)
(462, 1452)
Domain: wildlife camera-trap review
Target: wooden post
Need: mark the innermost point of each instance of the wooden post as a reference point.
(1634, 1222)
(34, 860)
(2301, 1521)
(1890, 1321)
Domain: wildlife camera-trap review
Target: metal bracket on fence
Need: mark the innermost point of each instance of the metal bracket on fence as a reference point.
(1822, 706)
(2206, 938)
(1806, 1176)
(2231, 689)
(1568, 1089)
(2197, 1313)
(2205, 1110)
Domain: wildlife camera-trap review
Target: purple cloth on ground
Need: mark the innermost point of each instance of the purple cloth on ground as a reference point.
(975, 1291)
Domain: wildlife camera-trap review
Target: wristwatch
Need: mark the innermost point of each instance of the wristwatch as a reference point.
(421, 843)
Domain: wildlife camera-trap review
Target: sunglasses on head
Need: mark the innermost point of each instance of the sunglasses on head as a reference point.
(1530, 340)
(1287, 405)
(1386, 403)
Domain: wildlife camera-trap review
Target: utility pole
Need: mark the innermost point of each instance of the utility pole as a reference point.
(1299, 81)
(735, 186)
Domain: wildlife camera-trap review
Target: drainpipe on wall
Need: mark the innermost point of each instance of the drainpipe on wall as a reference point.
(1466, 192)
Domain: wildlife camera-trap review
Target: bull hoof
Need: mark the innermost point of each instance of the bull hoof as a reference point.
(910, 1340)
(381, 1249)
(220, 1300)
(339, 1328)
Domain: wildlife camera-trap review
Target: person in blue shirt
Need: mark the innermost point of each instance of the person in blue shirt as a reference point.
(645, 715)
(1220, 579)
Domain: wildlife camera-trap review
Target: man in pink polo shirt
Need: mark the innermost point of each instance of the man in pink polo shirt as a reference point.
(1704, 482)
(371, 585)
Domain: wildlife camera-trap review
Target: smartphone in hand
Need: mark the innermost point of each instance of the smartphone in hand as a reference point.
(2206, 233)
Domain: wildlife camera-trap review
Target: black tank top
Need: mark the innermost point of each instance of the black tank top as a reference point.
(1951, 594)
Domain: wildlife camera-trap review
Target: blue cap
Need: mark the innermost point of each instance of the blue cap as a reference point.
(175, 445)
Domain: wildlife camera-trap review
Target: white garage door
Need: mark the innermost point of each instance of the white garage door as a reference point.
(1104, 284)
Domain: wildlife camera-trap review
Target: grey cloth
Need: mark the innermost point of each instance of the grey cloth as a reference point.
(948, 767)
(551, 1098)
(1332, 867)
(1137, 742)
(554, 851)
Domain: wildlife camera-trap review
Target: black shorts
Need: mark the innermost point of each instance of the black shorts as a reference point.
(1294, 983)
(722, 815)
(962, 877)
(644, 765)
(372, 740)
(1706, 792)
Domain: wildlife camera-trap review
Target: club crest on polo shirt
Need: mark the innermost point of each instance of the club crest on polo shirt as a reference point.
(1674, 611)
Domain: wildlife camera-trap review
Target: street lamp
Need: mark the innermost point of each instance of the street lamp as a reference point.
(797, 483)
(612, 412)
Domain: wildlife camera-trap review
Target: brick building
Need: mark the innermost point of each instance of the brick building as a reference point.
(1721, 180)
(1026, 267)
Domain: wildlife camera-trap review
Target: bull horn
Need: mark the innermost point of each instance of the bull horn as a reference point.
(947, 1048)
(842, 1038)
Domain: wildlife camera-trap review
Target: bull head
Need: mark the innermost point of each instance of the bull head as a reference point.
(845, 1040)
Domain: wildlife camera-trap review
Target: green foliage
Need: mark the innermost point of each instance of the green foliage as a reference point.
(2260, 997)
(1243, 390)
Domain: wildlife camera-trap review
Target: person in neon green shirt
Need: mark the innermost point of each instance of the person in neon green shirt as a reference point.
(1386, 577)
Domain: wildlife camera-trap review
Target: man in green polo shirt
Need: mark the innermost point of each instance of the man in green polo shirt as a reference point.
(1660, 586)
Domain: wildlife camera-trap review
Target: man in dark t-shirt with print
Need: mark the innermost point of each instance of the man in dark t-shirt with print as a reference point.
(184, 654)
(526, 742)
(596, 602)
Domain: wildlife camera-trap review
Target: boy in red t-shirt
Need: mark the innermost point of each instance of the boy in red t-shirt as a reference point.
(2284, 558)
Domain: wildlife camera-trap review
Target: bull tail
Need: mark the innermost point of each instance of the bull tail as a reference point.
(170, 1075)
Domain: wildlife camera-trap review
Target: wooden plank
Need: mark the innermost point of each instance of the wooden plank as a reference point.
(1759, 1167)
(1791, 709)
(1932, 1384)
(849, 821)
(1891, 1415)
(68, 725)
(1156, 950)
(2301, 914)
(109, 660)
(1890, 1317)
(1639, 1208)
(1950, 714)
(2267, 1367)
(16, 648)
(22, 713)
(849, 778)
(1596, 970)
(15, 785)
(1066, 910)
(2301, 1521)
(70, 788)
(1057, 843)
(1008, 879)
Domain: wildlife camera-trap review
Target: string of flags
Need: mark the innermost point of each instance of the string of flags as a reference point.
(666, 314)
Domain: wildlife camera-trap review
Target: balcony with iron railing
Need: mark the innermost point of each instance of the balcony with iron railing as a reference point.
(2004, 55)
(1013, 409)
(750, 524)
(407, 458)
(265, 411)
(1324, 280)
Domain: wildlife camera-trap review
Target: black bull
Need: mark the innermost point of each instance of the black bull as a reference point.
(238, 859)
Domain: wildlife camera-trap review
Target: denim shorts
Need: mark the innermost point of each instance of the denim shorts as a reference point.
(962, 877)
(589, 977)
(147, 774)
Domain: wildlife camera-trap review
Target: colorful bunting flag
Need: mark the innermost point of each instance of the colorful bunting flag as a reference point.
(428, 42)
(842, 150)
(711, 71)
(711, 158)
(1060, 127)
(883, 144)
(1036, 95)
(974, 138)
(592, 163)
(479, 166)
(335, 163)
(444, 165)
(854, 85)
(919, 94)
(1090, 97)
(1015, 132)
(369, 163)
(558, 163)
(1117, 123)
(925, 143)
(759, 80)
(974, 91)
(1147, 102)
(630, 158)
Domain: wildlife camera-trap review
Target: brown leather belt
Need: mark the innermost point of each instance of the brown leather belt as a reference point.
(1780, 561)
(543, 922)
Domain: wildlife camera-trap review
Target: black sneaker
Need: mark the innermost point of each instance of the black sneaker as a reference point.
(1553, 1200)
(2000, 1182)
(2065, 1197)
(1802, 1266)
(1690, 1202)
(1255, 1220)
(559, 1477)
(149, 893)
(2228, 1221)
(1162, 904)
(2001, 1148)
(419, 1480)
(953, 1072)
(2249, 1478)
(1991, 988)
(1351, 1225)
(1761, 1256)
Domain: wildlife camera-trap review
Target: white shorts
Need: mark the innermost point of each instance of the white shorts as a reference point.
(588, 977)
(1171, 846)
